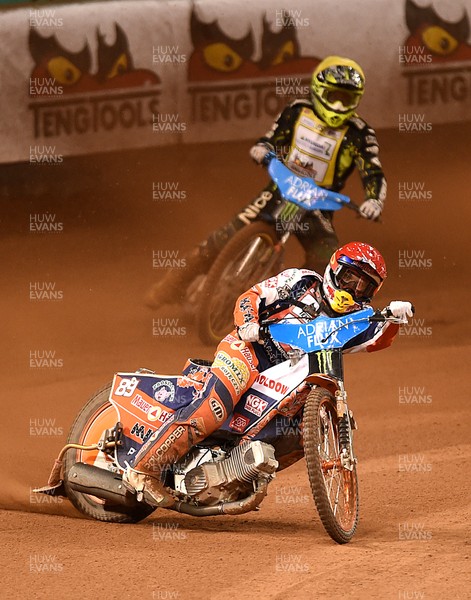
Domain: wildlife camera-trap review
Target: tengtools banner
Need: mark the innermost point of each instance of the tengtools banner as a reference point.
(83, 78)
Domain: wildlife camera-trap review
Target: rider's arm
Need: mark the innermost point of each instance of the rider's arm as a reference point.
(249, 304)
(365, 149)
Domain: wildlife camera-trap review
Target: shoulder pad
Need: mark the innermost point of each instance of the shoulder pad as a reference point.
(311, 275)
(357, 122)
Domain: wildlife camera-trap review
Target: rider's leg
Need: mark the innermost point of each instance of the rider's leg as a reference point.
(289, 444)
(172, 286)
(233, 372)
(319, 240)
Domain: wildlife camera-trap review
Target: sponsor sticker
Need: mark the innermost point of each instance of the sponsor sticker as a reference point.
(239, 423)
(255, 405)
(139, 402)
(164, 391)
(277, 386)
(199, 426)
(155, 413)
(217, 409)
(233, 369)
(241, 346)
(139, 431)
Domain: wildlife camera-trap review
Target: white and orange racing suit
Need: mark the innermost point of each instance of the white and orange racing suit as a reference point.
(237, 364)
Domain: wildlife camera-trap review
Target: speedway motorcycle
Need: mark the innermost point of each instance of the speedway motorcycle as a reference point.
(256, 251)
(230, 471)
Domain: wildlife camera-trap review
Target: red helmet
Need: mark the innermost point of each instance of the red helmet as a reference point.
(353, 276)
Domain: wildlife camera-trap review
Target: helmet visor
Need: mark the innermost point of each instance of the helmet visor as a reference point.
(358, 284)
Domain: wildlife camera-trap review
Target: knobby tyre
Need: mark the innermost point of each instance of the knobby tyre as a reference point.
(96, 416)
(231, 275)
(335, 489)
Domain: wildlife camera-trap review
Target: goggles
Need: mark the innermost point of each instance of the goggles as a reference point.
(341, 99)
(360, 286)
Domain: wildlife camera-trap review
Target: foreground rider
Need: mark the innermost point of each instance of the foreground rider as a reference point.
(352, 278)
(326, 139)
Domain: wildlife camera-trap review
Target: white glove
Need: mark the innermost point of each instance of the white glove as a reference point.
(249, 332)
(401, 310)
(258, 153)
(371, 209)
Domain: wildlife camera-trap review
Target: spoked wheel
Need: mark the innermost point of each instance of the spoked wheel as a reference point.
(249, 257)
(96, 416)
(335, 488)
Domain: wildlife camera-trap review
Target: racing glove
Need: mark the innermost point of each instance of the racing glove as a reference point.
(258, 152)
(401, 310)
(371, 209)
(249, 332)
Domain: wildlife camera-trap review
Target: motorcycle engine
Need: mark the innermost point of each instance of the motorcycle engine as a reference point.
(226, 477)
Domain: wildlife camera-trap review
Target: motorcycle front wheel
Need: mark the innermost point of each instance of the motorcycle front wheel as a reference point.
(335, 488)
(96, 416)
(249, 257)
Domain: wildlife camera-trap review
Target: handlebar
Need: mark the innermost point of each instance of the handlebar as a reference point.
(386, 315)
(378, 316)
(335, 197)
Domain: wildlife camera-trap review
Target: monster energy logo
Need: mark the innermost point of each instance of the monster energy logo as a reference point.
(324, 360)
(289, 219)
(288, 212)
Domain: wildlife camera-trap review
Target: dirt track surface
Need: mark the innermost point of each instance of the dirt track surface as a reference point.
(410, 401)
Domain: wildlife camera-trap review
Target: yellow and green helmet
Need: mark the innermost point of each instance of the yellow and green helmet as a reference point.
(337, 86)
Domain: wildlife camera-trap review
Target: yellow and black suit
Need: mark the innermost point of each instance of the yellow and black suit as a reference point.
(327, 155)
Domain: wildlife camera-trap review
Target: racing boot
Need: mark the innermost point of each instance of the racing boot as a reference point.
(159, 453)
(163, 449)
(172, 286)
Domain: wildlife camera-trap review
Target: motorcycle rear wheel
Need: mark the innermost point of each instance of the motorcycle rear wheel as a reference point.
(96, 416)
(232, 274)
(335, 488)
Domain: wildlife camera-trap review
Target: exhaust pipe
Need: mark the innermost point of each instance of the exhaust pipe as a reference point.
(100, 483)
(238, 507)
(109, 486)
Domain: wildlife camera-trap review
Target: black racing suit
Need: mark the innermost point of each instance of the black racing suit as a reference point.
(328, 155)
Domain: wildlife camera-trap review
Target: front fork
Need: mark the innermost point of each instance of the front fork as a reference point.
(346, 424)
